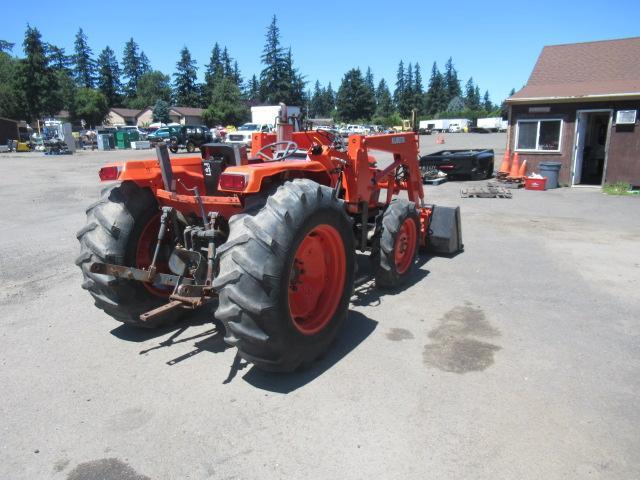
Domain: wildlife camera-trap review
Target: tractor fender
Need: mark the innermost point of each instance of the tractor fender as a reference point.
(146, 173)
(256, 173)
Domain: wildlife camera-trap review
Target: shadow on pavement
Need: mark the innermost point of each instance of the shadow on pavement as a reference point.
(191, 319)
(365, 292)
(356, 328)
(212, 343)
(211, 340)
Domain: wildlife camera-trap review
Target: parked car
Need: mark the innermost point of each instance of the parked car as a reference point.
(162, 134)
(353, 130)
(476, 164)
(243, 135)
(189, 137)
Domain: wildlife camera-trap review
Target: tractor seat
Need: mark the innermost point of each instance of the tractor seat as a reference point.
(216, 157)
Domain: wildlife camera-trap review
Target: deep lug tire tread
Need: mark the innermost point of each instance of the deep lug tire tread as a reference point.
(254, 269)
(382, 254)
(107, 237)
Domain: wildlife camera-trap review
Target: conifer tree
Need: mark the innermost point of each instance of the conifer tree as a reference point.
(161, 112)
(486, 102)
(352, 102)
(472, 95)
(329, 100)
(134, 65)
(436, 95)
(58, 59)
(36, 78)
(400, 85)
(451, 82)
(273, 58)
(384, 102)
(418, 89)
(253, 90)
(84, 66)
(316, 104)
(108, 80)
(185, 89)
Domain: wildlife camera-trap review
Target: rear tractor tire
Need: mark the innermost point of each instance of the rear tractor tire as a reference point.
(286, 277)
(191, 147)
(121, 229)
(394, 252)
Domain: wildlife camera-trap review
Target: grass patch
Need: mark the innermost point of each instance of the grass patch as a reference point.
(618, 188)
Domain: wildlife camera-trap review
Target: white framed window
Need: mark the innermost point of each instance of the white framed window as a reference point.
(539, 135)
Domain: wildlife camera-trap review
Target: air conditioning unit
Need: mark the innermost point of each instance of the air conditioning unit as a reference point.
(626, 117)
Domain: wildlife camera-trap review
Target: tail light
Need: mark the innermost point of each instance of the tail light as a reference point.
(109, 173)
(233, 181)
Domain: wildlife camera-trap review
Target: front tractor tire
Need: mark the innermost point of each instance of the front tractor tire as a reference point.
(286, 277)
(394, 252)
(121, 229)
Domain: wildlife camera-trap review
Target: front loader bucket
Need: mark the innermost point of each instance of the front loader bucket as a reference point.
(444, 236)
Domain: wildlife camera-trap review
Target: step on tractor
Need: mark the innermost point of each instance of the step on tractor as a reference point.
(268, 237)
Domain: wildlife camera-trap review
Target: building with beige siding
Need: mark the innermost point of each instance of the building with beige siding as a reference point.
(186, 115)
(122, 116)
(145, 117)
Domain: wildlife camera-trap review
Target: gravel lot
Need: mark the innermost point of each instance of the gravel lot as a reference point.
(517, 359)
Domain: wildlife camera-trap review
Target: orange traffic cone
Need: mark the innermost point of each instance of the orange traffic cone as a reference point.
(506, 163)
(515, 166)
(523, 169)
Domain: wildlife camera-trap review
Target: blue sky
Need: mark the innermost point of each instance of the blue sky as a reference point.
(495, 41)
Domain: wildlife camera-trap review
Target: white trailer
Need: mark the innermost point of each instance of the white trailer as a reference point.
(493, 124)
(267, 114)
(438, 125)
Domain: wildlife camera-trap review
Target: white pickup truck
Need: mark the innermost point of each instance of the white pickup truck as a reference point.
(242, 136)
(354, 130)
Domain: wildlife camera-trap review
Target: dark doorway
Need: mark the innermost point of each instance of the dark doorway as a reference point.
(591, 147)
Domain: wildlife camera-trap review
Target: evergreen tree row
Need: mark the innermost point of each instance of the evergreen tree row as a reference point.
(357, 100)
(47, 79)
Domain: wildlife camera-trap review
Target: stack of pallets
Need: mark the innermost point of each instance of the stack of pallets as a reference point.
(490, 190)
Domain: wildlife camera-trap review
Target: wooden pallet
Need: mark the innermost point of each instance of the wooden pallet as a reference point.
(513, 183)
(487, 191)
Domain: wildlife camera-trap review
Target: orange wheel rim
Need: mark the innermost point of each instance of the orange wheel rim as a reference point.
(144, 254)
(316, 280)
(405, 248)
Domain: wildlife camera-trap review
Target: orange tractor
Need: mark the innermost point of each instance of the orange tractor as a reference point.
(272, 236)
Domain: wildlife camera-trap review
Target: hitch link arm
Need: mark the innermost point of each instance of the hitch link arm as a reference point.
(166, 211)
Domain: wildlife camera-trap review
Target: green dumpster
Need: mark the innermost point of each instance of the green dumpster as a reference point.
(122, 139)
(125, 137)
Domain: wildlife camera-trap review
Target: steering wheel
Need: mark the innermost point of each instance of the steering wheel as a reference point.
(289, 149)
